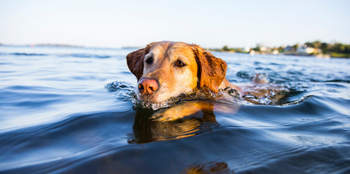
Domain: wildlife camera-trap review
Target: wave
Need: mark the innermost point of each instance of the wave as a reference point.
(78, 55)
(24, 54)
(264, 94)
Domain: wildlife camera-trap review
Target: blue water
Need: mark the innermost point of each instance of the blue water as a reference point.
(58, 114)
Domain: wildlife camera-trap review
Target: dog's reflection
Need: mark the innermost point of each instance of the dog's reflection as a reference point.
(182, 120)
(209, 167)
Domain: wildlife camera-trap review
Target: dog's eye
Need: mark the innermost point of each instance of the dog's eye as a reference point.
(149, 60)
(179, 63)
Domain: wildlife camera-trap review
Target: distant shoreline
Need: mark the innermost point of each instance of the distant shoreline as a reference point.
(51, 45)
(57, 45)
(66, 45)
(230, 50)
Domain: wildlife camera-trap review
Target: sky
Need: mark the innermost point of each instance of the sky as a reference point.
(211, 24)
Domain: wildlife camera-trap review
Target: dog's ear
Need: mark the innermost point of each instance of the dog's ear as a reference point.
(135, 61)
(211, 70)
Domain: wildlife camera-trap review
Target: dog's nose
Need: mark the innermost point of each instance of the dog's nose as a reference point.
(148, 86)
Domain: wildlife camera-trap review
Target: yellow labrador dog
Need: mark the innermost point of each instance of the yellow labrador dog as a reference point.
(168, 69)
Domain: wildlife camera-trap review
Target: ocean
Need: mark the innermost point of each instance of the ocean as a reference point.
(71, 110)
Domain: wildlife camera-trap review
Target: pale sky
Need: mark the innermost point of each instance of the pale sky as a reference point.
(211, 24)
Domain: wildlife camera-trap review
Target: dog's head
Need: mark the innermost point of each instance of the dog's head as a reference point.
(168, 69)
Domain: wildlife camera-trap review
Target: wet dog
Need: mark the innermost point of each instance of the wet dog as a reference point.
(168, 69)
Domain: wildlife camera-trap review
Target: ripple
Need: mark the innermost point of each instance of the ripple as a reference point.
(244, 74)
(87, 56)
(23, 54)
(57, 117)
(124, 91)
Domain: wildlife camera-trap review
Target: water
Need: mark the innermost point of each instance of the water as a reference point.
(60, 113)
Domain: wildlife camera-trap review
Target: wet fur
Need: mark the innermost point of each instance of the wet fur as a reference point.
(203, 70)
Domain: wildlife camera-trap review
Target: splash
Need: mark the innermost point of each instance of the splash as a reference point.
(265, 94)
(225, 95)
(124, 90)
(262, 94)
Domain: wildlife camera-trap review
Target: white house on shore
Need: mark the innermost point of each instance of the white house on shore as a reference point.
(246, 49)
(275, 52)
(263, 49)
(305, 49)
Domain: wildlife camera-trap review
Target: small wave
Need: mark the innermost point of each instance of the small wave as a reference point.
(225, 95)
(296, 102)
(23, 54)
(338, 80)
(88, 56)
(124, 90)
(62, 55)
(244, 74)
(263, 94)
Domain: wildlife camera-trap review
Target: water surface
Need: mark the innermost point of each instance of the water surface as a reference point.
(59, 115)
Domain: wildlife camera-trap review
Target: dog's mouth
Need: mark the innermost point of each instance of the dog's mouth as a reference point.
(154, 104)
(153, 101)
(155, 97)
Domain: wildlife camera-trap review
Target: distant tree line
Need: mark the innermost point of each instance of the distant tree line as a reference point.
(333, 49)
(227, 49)
(330, 47)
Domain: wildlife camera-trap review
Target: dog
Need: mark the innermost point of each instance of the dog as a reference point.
(168, 69)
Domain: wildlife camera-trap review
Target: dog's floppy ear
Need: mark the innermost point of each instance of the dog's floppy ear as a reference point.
(135, 61)
(211, 70)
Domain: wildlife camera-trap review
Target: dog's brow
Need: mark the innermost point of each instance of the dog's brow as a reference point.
(157, 51)
(171, 48)
(149, 54)
(163, 50)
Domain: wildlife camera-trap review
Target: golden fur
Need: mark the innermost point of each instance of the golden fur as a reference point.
(201, 70)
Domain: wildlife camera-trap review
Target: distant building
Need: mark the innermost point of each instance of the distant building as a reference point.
(263, 49)
(288, 48)
(305, 49)
(246, 49)
(252, 52)
(275, 52)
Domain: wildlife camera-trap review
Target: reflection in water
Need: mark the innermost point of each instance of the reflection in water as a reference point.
(180, 121)
(217, 167)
